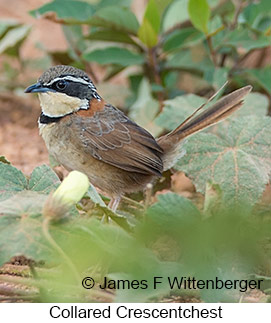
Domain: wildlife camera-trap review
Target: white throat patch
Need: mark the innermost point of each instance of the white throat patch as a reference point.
(55, 104)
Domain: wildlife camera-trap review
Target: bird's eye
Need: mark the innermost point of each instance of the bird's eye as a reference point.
(61, 85)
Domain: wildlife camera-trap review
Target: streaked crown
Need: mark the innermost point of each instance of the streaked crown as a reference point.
(69, 80)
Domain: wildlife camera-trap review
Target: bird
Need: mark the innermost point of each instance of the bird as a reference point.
(83, 132)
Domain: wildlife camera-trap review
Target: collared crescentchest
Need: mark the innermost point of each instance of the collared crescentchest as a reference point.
(83, 132)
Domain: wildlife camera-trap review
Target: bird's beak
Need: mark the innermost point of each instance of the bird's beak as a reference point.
(37, 88)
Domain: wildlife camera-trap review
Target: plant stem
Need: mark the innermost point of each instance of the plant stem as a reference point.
(154, 66)
(211, 48)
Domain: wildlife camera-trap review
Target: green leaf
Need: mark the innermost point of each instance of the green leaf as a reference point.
(24, 204)
(188, 61)
(152, 14)
(170, 207)
(94, 196)
(175, 14)
(107, 3)
(182, 38)
(147, 34)
(43, 179)
(162, 5)
(255, 13)
(111, 36)
(199, 12)
(114, 55)
(65, 11)
(145, 108)
(262, 77)
(11, 42)
(12, 181)
(116, 18)
(254, 104)
(177, 110)
(243, 153)
(20, 227)
(242, 38)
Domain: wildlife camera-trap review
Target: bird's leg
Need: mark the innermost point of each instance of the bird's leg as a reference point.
(114, 203)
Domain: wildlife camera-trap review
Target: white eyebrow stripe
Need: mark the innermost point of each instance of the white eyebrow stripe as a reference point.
(69, 78)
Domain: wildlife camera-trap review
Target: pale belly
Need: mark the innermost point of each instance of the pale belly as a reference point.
(64, 148)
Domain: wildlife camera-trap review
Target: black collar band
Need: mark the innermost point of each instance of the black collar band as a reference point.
(44, 119)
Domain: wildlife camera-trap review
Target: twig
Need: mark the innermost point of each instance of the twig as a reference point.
(132, 202)
(153, 64)
(211, 48)
(239, 7)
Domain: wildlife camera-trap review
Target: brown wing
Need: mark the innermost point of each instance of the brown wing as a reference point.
(110, 136)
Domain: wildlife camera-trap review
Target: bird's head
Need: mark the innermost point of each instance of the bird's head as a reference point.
(63, 90)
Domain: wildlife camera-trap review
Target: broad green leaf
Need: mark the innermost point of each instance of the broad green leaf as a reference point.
(107, 3)
(152, 14)
(189, 61)
(22, 237)
(262, 77)
(182, 38)
(111, 36)
(116, 18)
(65, 11)
(145, 108)
(162, 5)
(20, 227)
(241, 38)
(12, 181)
(254, 104)
(147, 34)
(24, 204)
(199, 12)
(177, 110)
(114, 55)
(243, 154)
(12, 40)
(43, 179)
(175, 14)
(254, 13)
(171, 206)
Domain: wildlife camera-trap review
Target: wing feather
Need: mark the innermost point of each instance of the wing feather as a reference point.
(110, 136)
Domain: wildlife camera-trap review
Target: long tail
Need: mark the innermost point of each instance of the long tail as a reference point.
(220, 110)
